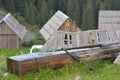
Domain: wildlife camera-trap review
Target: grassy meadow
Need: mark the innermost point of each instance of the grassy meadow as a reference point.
(104, 70)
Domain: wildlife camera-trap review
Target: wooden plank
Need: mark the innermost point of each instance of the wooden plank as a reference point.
(77, 38)
(75, 41)
(2, 41)
(53, 25)
(22, 64)
(15, 26)
(109, 19)
(32, 65)
(45, 34)
(49, 29)
(118, 34)
(57, 20)
(114, 36)
(61, 15)
(84, 38)
(103, 37)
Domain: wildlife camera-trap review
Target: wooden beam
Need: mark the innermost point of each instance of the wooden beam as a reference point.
(23, 64)
(32, 65)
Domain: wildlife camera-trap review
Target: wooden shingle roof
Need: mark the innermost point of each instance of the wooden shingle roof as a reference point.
(109, 19)
(14, 25)
(53, 24)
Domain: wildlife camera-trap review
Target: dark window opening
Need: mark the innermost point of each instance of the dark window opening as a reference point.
(70, 39)
(65, 39)
(65, 36)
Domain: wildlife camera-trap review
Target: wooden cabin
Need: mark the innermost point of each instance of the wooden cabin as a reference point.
(11, 32)
(58, 22)
(109, 19)
(67, 40)
(108, 33)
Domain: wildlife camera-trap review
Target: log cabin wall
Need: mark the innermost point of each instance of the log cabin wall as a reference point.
(59, 21)
(109, 19)
(8, 39)
(78, 39)
(69, 26)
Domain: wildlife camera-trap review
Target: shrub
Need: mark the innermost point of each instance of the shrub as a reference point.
(38, 41)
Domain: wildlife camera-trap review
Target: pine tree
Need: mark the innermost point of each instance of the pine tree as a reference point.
(73, 10)
(102, 6)
(51, 7)
(61, 5)
(30, 12)
(26, 11)
(81, 4)
(0, 3)
(96, 11)
(116, 5)
(44, 13)
(109, 4)
(70, 9)
(39, 4)
(88, 18)
(20, 6)
(9, 5)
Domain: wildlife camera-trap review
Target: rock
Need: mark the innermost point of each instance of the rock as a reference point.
(117, 60)
(77, 78)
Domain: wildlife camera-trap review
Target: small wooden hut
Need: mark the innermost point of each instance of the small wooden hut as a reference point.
(109, 19)
(11, 32)
(58, 22)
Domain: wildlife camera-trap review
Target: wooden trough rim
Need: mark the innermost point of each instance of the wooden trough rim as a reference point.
(44, 54)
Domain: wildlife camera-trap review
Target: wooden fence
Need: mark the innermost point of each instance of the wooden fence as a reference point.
(77, 39)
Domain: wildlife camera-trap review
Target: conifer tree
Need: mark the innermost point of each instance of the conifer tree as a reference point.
(9, 5)
(102, 6)
(30, 12)
(109, 4)
(73, 10)
(39, 4)
(116, 5)
(61, 5)
(44, 12)
(88, 18)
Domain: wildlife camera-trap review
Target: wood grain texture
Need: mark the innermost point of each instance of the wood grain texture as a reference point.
(32, 65)
(62, 39)
(22, 66)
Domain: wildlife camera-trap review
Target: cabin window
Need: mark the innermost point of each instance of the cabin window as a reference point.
(70, 39)
(98, 37)
(67, 39)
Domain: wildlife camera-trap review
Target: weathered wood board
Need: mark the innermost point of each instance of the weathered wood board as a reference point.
(22, 64)
(109, 19)
(63, 39)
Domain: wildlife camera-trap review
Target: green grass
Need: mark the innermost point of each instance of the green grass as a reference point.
(104, 70)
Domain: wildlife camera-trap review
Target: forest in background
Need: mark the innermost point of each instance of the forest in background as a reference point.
(83, 12)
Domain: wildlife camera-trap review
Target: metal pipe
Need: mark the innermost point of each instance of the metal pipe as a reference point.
(78, 60)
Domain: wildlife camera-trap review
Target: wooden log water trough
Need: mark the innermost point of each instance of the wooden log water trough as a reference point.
(22, 64)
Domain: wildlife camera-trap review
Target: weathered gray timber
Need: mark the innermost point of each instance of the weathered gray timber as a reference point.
(63, 39)
(12, 33)
(23, 64)
(109, 19)
(59, 21)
